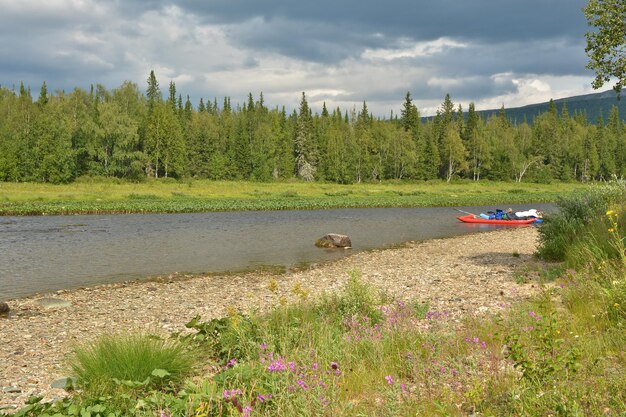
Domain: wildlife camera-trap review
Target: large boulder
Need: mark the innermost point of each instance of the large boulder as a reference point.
(333, 240)
(4, 308)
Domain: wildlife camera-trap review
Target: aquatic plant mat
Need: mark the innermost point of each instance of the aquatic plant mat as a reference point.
(162, 196)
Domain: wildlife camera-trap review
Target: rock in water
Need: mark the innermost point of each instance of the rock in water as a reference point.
(333, 240)
(4, 308)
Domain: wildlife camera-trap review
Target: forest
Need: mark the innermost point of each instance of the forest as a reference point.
(126, 133)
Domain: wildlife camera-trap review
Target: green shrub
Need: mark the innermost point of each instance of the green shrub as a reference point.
(556, 236)
(234, 337)
(115, 363)
(579, 216)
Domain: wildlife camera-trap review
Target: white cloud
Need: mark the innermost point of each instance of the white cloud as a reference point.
(413, 49)
(535, 88)
(445, 83)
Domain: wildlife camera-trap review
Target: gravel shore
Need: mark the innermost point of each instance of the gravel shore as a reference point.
(460, 276)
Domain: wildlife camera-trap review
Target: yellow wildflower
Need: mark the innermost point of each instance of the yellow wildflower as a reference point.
(611, 230)
(231, 311)
(610, 213)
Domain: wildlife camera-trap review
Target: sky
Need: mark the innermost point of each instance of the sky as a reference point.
(341, 52)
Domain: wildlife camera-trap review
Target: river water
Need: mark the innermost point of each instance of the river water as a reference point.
(43, 254)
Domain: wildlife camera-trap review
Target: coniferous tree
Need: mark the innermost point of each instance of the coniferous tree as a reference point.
(285, 162)
(478, 147)
(43, 95)
(322, 127)
(363, 139)
(240, 155)
(153, 93)
(188, 110)
(409, 158)
(305, 145)
(171, 99)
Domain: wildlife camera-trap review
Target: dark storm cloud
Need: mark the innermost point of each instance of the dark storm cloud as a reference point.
(479, 19)
(350, 24)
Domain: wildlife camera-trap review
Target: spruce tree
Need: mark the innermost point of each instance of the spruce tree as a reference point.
(153, 94)
(410, 121)
(304, 142)
(188, 109)
(171, 99)
(43, 95)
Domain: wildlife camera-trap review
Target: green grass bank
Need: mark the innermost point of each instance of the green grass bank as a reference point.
(169, 196)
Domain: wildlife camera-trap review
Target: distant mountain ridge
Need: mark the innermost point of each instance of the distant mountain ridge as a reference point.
(593, 105)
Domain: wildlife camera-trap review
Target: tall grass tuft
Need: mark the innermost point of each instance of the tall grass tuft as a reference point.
(127, 362)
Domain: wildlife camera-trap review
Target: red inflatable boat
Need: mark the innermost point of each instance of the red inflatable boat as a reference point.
(470, 218)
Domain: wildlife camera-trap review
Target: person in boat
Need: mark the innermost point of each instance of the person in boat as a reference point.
(510, 215)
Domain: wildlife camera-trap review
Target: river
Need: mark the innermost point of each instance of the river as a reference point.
(43, 254)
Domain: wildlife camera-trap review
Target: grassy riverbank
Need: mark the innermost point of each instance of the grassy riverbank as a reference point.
(168, 196)
(364, 353)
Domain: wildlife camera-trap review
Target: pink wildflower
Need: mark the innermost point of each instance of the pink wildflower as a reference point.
(264, 398)
(277, 365)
